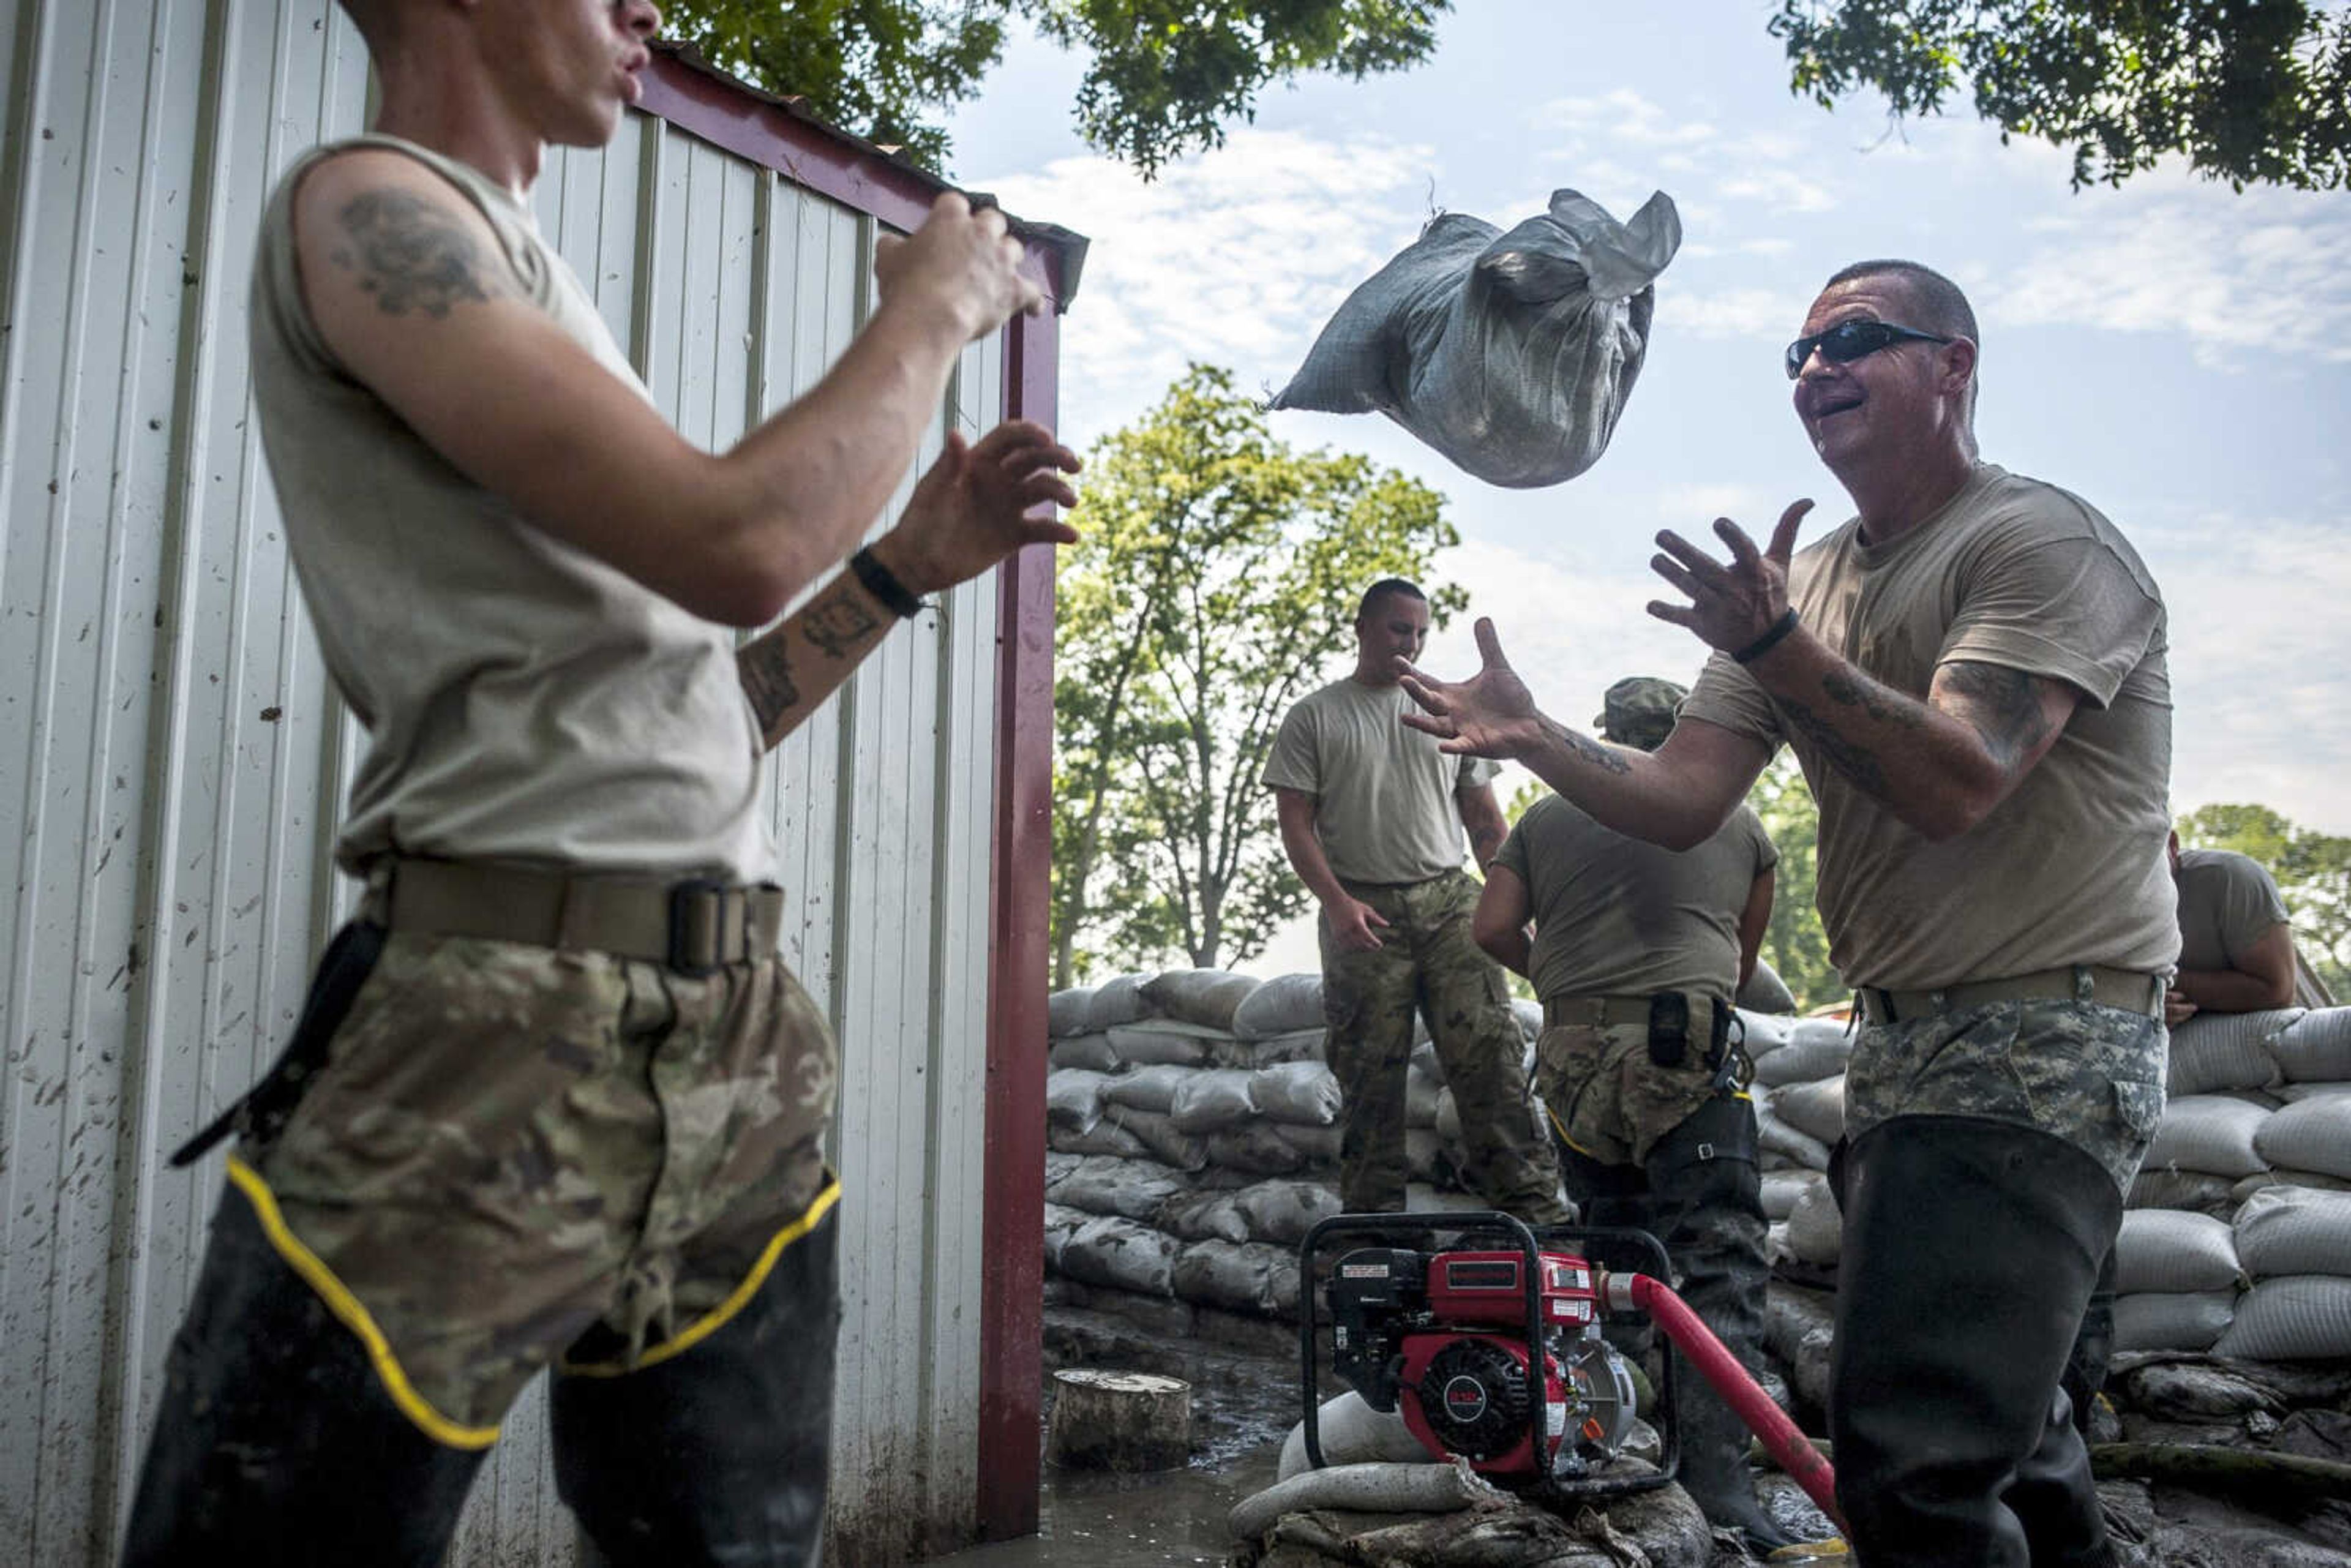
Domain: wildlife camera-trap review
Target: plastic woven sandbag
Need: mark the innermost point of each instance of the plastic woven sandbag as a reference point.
(1257, 1148)
(1815, 1230)
(1093, 1052)
(1115, 1002)
(1782, 1189)
(1203, 997)
(1511, 354)
(2315, 1047)
(1765, 992)
(1420, 1096)
(1147, 1088)
(1163, 1042)
(1815, 1110)
(2169, 1252)
(2197, 1190)
(1241, 1276)
(1134, 1188)
(1282, 1212)
(1297, 1045)
(1315, 1145)
(2226, 1051)
(1073, 1100)
(1213, 1100)
(2293, 1093)
(2294, 1230)
(1158, 1135)
(1122, 1255)
(2188, 1320)
(1203, 1216)
(1060, 1224)
(1530, 1016)
(1068, 1012)
(2296, 1317)
(1761, 1034)
(1350, 1432)
(1301, 1094)
(2209, 1133)
(2312, 1135)
(1283, 1005)
(1806, 1059)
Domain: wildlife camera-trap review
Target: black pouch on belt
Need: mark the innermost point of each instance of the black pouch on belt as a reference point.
(1668, 1029)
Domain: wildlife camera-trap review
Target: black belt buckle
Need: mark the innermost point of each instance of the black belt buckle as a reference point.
(701, 899)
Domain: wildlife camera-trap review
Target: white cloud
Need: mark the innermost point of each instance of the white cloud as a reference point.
(1782, 188)
(1623, 115)
(1768, 313)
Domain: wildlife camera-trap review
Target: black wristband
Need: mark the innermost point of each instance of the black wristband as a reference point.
(883, 585)
(1768, 641)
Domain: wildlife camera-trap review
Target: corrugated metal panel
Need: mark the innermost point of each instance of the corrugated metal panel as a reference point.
(172, 760)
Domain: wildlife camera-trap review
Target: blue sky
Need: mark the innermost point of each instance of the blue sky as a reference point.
(2177, 353)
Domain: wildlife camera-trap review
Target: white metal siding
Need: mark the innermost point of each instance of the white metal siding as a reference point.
(173, 760)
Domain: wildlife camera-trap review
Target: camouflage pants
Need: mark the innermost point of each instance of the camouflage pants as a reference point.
(1429, 964)
(1607, 1098)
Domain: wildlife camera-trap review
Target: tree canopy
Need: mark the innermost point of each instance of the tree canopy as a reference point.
(1215, 584)
(2248, 91)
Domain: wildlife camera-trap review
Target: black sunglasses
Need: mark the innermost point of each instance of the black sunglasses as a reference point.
(1850, 340)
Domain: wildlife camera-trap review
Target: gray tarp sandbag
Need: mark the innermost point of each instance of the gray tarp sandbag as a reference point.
(1212, 1100)
(1123, 1255)
(1070, 1012)
(1203, 1216)
(1116, 1002)
(2294, 1230)
(1158, 1135)
(1815, 1109)
(1147, 1088)
(2168, 1251)
(1774, 1137)
(1060, 1224)
(1133, 1188)
(1058, 1164)
(2226, 1051)
(2200, 1191)
(2260, 1181)
(1157, 1042)
(2292, 1094)
(2316, 1047)
(1203, 997)
(1297, 1045)
(1074, 1099)
(2312, 1135)
(1815, 1229)
(1238, 1276)
(1511, 354)
(1283, 1005)
(1809, 1056)
(2209, 1133)
(1300, 1093)
(1530, 1016)
(1428, 1158)
(2295, 1317)
(2191, 1320)
(1781, 1190)
(1421, 1090)
(1765, 992)
(1761, 1034)
(1363, 1489)
(1282, 1212)
(1093, 1052)
(1350, 1432)
(1447, 1124)
(1102, 1138)
(1316, 1146)
(1256, 1148)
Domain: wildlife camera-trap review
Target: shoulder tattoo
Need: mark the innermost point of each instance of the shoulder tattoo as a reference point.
(409, 254)
(2003, 704)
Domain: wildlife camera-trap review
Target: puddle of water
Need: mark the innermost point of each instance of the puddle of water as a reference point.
(1089, 1520)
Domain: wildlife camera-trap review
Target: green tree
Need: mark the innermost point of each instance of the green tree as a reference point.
(2313, 871)
(1794, 944)
(2249, 90)
(1163, 76)
(1215, 584)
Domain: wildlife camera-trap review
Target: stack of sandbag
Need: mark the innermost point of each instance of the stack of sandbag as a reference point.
(2295, 1243)
(1799, 1094)
(2204, 1149)
(2177, 1276)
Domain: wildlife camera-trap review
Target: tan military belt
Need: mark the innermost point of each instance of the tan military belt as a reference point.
(2125, 988)
(1606, 1012)
(694, 926)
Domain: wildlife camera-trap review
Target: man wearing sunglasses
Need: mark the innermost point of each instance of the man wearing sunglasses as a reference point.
(1971, 673)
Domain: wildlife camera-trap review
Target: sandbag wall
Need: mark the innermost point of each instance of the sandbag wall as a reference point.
(2237, 1234)
(1193, 1137)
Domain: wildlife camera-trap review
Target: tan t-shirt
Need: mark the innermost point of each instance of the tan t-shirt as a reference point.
(2070, 869)
(2228, 901)
(1621, 917)
(524, 701)
(1384, 805)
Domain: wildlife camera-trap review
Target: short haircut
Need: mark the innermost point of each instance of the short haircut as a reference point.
(1401, 586)
(1937, 305)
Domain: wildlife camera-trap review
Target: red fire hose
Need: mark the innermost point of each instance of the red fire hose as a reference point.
(1780, 1436)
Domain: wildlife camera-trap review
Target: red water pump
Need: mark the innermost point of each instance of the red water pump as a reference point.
(1490, 1342)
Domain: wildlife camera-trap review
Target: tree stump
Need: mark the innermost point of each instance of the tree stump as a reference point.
(1127, 1421)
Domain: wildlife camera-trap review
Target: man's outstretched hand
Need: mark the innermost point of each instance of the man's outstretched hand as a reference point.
(1491, 713)
(1731, 605)
(974, 506)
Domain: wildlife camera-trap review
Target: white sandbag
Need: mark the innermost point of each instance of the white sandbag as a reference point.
(1299, 1045)
(1815, 1109)
(2294, 1317)
(1529, 1015)
(2168, 1251)
(1447, 1124)
(1781, 1190)
(2200, 1191)
(1122, 1255)
(1761, 1034)
(1203, 997)
(1146, 1088)
(2316, 1047)
(1073, 1100)
(1283, 1005)
(1103, 1184)
(1068, 1012)
(1164, 1043)
(1315, 1145)
(1445, 1488)
(2260, 1181)
(1815, 1228)
(1059, 1165)
(1775, 1137)
(1301, 1094)
(2294, 1093)
(1255, 1147)
(2209, 1133)
(1420, 1094)
(2192, 1320)
(2294, 1230)
(2312, 1135)
(1213, 1100)
(1088, 1052)
(1203, 1216)
(1350, 1432)
(1428, 1158)
(1765, 991)
(1282, 1212)
(1060, 1224)
(1115, 1002)
(1158, 1135)
(2226, 1051)
(1238, 1276)
(1807, 1058)
(1511, 354)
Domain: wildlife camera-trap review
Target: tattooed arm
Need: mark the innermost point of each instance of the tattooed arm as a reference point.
(788, 671)
(408, 286)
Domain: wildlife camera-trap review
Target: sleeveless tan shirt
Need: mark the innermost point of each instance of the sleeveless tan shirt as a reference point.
(524, 701)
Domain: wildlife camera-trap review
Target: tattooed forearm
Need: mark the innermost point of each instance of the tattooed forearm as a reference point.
(837, 625)
(2003, 704)
(767, 673)
(1856, 762)
(1584, 746)
(1885, 706)
(410, 254)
